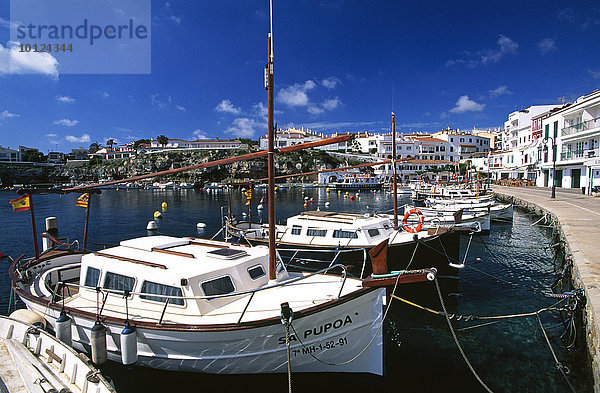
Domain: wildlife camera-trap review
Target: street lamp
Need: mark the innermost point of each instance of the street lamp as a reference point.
(553, 163)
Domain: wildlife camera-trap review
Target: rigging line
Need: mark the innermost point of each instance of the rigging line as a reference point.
(387, 309)
(559, 365)
(437, 287)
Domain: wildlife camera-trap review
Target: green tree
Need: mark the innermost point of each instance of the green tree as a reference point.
(94, 147)
(109, 143)
(163, 140)
(137, 143)
(33, 156)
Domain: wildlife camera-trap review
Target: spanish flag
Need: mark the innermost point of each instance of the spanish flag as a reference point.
(20, 204)
(83, 200)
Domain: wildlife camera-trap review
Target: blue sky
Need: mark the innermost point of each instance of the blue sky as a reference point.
(340, 65)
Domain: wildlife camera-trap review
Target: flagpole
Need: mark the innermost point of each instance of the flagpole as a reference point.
(87, 221)
(35, 243)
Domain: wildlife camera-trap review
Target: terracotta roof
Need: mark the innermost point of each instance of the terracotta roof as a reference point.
(426, 138)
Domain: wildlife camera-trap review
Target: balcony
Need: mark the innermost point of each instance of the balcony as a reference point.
(580, 127)
(579, 154)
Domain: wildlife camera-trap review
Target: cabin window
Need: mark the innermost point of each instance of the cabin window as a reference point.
(256, 272)
(340, 234)
(373, 232)
(219, 286)
(161, 289)
(118, 282)
(316, 232)
(92, 277)
(296, 229)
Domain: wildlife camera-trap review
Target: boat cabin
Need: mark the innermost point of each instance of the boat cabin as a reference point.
(152, 269)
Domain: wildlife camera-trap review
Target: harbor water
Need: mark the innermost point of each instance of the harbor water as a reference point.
(508, 272)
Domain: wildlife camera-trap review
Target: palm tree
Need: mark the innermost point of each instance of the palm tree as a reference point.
(94, 147)
(110, 142)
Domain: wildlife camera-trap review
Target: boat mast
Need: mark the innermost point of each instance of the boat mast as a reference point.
(394, 182)
(271, 153)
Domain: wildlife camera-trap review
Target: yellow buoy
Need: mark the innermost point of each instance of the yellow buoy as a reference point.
(305, 204)
(164, 205)
(157, 214)
(327, 189)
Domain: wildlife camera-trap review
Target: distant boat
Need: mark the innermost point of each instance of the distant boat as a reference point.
(352, 181)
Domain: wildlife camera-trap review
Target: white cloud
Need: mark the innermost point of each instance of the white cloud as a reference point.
(295, 95)
(499, 91)
(547, 45)
(594, 73)
(101, 93)
(260, 110)
(66, 122)
(465, 104)
(115, 140)
(506, 46)
(65, 99)
(315, 110)
(226, 106)
(171, 16)
(331, 82)
(245, 127)
(51, 135)
(199, 134)
(12, 61)
(181, 108)
(85, 138)
(331, 103)
(8, 115)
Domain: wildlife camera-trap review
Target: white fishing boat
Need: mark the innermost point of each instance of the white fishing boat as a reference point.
(322, 237)
(497, 211)
(204, 306)
(478, 220)
(357, 181)
(32, 360)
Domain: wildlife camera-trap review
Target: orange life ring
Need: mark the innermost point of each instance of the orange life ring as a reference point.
(419, 226)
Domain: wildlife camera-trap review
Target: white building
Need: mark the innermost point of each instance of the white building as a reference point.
(368, 143)
(291, 136)
(575, 131)
(7, 154)
(198, 144)
(463, 144)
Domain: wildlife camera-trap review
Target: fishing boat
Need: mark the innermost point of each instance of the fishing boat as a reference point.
(318, 238)
(497, 211)
(479, 221)
(357, 181)
(187, 304)
(32, 360)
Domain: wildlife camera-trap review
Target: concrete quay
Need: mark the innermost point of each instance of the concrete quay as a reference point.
(578, 216)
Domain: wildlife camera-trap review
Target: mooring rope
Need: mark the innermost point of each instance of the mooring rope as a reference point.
(559, 365)
(437, 287)
(387, 309)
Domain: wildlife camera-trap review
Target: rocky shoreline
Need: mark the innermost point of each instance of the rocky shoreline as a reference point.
(90, 171)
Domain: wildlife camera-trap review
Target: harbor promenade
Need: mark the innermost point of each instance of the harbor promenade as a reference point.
(579, 218)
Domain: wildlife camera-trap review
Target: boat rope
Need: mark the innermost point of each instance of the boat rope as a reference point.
(564, 370)
(385, 313)
(286, 319)
(439, 292)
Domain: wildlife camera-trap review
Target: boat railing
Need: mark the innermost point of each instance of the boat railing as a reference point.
(168, 298)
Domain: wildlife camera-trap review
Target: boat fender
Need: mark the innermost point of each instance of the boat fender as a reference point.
(98, 343)
(259, 207)
(151, 226)
(200, 225)
(63, 328)
(129, 353)
(327, 204)
(30, 317)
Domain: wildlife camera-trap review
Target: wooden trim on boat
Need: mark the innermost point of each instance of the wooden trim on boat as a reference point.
(132, 260)
(171, 252)
(185, 327)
